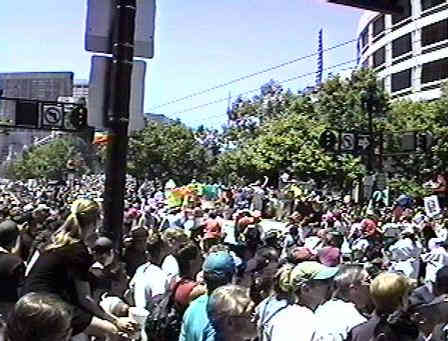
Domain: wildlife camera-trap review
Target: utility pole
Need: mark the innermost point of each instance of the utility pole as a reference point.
(118, 117)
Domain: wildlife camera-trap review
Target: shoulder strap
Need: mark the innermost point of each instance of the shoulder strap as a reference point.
(263, 321)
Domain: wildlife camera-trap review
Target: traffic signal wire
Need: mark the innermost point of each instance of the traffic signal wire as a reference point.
(219, 100)
(239, 79)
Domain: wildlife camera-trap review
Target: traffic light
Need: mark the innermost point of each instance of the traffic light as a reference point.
(423, 141)
(78, 117)
(383, 6)
(327, 140)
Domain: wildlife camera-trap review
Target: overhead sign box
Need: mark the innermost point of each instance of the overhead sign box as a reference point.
(383, 6)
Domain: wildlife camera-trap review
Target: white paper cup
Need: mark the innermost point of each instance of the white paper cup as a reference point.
(139, 315)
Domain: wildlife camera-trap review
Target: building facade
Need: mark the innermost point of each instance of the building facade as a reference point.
(37, 85)
(46, 86)
(81, 89)
(409, 51)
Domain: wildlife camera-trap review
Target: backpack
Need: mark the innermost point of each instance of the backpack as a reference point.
(164, 320)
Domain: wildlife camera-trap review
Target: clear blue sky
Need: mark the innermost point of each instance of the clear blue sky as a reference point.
(199, 44)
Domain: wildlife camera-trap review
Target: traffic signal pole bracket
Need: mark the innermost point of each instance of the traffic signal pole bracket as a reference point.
(117, 118)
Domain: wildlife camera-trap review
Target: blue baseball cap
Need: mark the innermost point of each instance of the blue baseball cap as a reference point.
(220, 263)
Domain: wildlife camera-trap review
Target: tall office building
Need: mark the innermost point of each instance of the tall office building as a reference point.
(30, 85)
(80, 89)
(409, 51)
(37, 85)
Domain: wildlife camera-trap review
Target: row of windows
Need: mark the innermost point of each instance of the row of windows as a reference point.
(432, 71)
(434, 33)
(378, 25)
(426, 4)
(396, 18)
(431, 34)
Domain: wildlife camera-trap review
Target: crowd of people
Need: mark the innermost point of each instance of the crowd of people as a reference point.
(248, 263)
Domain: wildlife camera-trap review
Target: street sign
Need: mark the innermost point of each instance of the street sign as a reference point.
(408, 142)
(99, 93)
(100, 27)
(347, 142)
(364, 142)
(52, 115)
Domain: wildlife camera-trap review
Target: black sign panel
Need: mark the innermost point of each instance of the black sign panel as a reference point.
(27, 113)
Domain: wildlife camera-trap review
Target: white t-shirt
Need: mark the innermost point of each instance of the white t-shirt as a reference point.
(149, 280)
(335, 319)
(294, 323)
(171, 268)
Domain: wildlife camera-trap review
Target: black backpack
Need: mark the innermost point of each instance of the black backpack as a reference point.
(165, 319)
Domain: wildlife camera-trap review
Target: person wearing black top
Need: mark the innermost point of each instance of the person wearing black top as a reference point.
(390, 321)
(12, 267)
(63, 269)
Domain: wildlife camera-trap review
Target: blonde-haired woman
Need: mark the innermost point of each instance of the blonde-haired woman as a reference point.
(389, 292)
(230, 310)
(63, 268)
(172, 239)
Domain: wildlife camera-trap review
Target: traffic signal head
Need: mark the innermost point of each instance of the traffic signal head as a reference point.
(424, 141)
(78, 117)
(328, 140)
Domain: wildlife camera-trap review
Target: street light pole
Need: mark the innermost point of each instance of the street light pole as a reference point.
(118, 118)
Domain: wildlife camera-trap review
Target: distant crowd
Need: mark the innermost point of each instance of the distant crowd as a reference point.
(213, 262)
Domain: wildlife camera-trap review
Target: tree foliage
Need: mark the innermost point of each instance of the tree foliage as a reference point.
(288, 141)
(48, 161)
(285, 137)
(167, 151)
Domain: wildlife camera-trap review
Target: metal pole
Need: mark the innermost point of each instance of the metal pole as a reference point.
(118, 118)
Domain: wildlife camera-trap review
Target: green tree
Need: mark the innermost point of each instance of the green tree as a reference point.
(412, 169)
(48, 161)
(341, 102)
(288, 141)
(167, 151)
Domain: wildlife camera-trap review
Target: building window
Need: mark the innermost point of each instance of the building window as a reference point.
(379, 57)
(378, 26)
(396, 18)
(434, 33)
(365, 64)
(435, 71)
(364, 38)
(426, 4)
(401, 80)
(402, 45)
